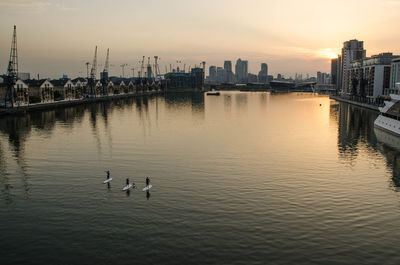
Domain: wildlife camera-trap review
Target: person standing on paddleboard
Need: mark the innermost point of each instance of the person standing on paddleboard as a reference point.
(108, 174)
(147, 181)
(127, 182)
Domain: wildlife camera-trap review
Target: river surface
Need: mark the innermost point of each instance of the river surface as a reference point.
(243, 178)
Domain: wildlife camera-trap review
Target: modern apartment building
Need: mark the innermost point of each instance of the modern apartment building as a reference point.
(370, 77)
(352, 50)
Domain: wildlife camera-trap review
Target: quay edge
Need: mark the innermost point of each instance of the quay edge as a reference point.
(359, 104)
(69, 103)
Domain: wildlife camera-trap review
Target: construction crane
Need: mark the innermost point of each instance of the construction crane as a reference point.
(149, 70)
(142, 66)
(104, 75)
(87, 69)
(93, 73)
(107, 63)
(156, 66)
(12, 70)
(123, 69)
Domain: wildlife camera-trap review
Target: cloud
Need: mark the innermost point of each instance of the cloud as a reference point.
(24, 3)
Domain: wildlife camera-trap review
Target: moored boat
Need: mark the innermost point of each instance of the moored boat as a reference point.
(389, 118)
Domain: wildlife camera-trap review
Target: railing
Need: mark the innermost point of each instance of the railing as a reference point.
(379, 102)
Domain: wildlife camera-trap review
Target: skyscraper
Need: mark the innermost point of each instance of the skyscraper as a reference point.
(220, 74)
(212, 73)
(263, 74)
(352, 50)
(228, 71)
(241, 71)
(334, 63)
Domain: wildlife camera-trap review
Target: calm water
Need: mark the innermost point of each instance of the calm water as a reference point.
(244, 178)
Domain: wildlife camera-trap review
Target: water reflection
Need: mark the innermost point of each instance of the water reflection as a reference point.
(227, 103)
(179, 101)
(241, 101)
(356, 126)
(94, 109)
(4, 179)
(356, 131)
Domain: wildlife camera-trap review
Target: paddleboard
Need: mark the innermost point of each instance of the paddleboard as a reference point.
(107, 180)
(128, 187)
(148, 187)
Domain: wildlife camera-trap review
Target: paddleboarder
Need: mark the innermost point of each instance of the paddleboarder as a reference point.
(147, 181)
(108, 174)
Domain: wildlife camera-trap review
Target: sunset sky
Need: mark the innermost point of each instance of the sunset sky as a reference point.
(58, 37)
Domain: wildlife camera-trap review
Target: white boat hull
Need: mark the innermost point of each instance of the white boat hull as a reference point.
(388, 124)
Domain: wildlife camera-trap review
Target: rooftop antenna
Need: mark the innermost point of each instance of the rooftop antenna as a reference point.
(12, 70)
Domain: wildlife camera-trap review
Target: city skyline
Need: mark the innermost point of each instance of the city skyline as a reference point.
(58, 37)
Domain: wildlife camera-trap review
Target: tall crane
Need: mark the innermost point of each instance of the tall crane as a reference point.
(93, 73)
(12, 70)
(142, 66)
(123, 69)
(104, 75)
(156, 66)
(149, 70)
(107, 63)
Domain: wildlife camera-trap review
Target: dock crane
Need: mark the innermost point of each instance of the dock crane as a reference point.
(104, 75)
(107, 63)
(87, 69)
(12, 70)
(93, 73)
(142, 66)
(156, 66)
(149, 70)
(123, 69)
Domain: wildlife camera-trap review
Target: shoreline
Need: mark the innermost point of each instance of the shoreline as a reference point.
(68, 103)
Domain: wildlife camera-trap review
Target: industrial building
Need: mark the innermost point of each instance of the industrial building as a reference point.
(181, 80)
